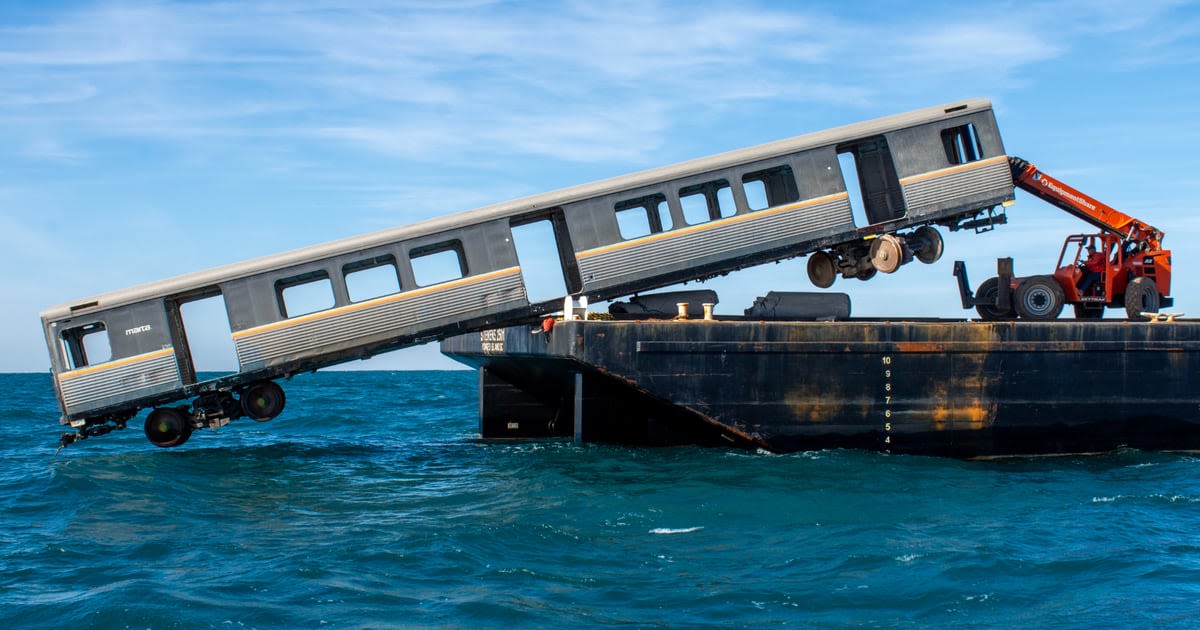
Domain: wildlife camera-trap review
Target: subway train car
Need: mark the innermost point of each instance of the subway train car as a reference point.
(857, 200)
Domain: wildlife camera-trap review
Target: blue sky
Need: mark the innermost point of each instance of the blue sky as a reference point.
(148, 139)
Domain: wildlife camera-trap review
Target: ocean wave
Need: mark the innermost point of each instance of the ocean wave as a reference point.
(1168, 498)
(671, 531)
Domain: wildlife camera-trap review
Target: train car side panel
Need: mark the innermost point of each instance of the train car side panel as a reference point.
(110, 384)
(798, 198)
(952, 165)
(806, 220)
(440, 279)
(409, 313)
(966, 186)
(114, 357)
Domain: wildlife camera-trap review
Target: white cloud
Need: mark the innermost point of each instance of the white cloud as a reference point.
(1105, 16)
(53, 95)
(968, 46)
(54, 149)
(159, 71)
(406, 140)
(423, 108)
(104, 36)
(614, 133)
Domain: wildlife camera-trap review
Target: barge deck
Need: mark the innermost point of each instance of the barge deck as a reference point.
(936, 387)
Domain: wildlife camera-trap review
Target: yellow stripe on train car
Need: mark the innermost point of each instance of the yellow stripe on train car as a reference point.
(953, 169)
(118, 363)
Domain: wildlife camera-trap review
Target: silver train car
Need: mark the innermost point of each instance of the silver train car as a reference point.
(857, 199)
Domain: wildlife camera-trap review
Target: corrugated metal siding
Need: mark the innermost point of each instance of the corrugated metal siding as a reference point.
(724, 236)
(126, 379)
(957, 182)
(390, 315)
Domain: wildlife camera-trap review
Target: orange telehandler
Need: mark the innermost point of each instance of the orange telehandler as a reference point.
(1135, 274)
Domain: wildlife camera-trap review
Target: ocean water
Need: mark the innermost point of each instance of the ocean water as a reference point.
(370, 503)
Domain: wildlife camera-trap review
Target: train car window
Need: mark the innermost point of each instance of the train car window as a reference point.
(437, 264)
(770, 187)
(642, 216)
(961, 144)
(371, 278)
(87, 345)
(97, 346)
(633, 222)
(756, 194)
(695, 208)
(305, 294)
(707, 201)
(726, 207)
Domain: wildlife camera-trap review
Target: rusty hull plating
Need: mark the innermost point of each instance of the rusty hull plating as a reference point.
(936, 387)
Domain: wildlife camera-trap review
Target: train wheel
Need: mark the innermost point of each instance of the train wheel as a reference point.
(987, 293)
(929, 244)
(1141, 296)
(887, 253)
(822, 269)
(1039, 298)
(263, 400)
(1089, 311)
(168, 427)
(866, 274)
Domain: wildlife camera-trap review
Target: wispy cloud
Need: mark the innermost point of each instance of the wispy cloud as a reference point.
(185, 134)
(403, 79)
(53, 95)
(52, 149)
(992, 48)
(586, 73)
(96, 37)
(442, 83)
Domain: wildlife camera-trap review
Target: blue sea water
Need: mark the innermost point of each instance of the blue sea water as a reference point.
(371, 503)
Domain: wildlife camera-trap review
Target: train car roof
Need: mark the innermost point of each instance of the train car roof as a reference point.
(516, 207)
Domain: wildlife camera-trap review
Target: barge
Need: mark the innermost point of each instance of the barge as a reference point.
(959, 388)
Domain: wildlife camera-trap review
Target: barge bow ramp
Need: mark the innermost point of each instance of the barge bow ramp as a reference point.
(937, 387)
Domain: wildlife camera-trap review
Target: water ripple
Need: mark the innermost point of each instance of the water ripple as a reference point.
(371, 503)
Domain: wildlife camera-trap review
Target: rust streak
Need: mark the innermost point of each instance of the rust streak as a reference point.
(920, 346)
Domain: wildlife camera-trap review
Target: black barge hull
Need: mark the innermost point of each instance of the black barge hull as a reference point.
(952, 388)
